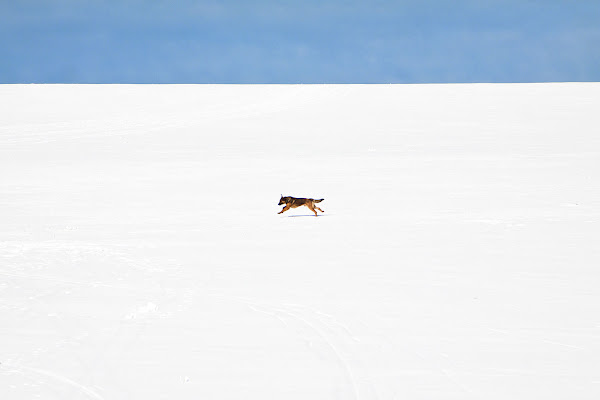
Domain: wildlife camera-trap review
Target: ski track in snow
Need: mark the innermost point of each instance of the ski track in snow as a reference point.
(323, 331)
(56, 378)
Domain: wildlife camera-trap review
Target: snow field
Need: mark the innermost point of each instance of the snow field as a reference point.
(142, 257)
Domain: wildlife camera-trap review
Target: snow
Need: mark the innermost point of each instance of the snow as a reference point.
(142, 256)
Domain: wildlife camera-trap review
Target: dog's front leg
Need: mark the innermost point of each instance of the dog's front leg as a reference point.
(287, 207)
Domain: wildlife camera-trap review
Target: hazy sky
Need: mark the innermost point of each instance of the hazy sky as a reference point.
(301, 41)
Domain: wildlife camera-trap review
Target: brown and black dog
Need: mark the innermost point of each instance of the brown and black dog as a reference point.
(293, 202)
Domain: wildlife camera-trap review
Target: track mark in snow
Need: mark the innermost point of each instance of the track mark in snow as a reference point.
(451, 377)
(328, 338)
(327, 329)
(337, 323)
(563, 344)
(74, 283)
(270, 313)
(59, 378)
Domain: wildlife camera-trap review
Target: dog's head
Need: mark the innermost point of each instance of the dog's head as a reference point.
(282, 200)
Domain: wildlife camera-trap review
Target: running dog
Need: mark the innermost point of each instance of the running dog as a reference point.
(293, 202)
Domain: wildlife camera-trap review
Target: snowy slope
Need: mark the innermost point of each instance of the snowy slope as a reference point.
(142, 257)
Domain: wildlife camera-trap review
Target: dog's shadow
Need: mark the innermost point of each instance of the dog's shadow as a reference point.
(308, 215)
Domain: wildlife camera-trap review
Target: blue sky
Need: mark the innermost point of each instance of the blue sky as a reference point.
(302, 41)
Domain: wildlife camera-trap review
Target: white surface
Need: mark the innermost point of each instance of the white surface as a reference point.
(142, 256)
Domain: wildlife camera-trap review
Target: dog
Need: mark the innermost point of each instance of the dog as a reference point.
(293, 202)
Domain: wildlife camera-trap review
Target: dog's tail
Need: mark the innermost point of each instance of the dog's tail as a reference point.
(318, 201)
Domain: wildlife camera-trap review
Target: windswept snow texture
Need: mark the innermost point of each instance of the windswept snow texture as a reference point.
(142, 256)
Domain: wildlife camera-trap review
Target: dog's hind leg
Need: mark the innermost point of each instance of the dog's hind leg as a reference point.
(312, 208)
(287, 207)
(319, 209)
